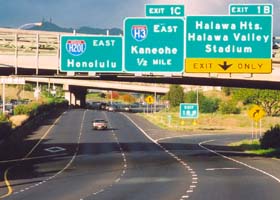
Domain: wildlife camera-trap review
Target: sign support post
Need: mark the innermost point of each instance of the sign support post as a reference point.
(3, 97)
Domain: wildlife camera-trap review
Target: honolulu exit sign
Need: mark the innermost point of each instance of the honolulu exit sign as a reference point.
(91, 54)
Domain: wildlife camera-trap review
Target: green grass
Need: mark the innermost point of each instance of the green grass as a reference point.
(247, 145)
(263, 152)
(214, 122)
(254, 147)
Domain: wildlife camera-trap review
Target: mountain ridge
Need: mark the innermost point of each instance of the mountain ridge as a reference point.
(49, 26)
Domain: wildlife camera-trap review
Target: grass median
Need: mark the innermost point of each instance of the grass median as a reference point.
(212, 123)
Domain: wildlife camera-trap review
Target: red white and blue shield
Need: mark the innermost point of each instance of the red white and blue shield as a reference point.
(76, 47)
(139, 32)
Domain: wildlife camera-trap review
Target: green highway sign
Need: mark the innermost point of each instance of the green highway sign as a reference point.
(91, 54)
(189, 110)
(154, 44)
(156, 10)
(229, 36)
(250, 9)
(229, 44)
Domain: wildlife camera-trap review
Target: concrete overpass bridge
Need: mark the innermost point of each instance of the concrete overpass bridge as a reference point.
(36, 54)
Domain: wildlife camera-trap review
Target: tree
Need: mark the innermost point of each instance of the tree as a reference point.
(267, 99)
(227, 91)
(175, 95)
(229, 107)
(115, 95)
(128, 98)
(206, 104)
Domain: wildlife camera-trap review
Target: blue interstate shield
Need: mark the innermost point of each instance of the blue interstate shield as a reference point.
(76, 47)
(139, 32)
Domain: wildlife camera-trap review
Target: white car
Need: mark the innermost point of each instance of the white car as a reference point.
(99, 124)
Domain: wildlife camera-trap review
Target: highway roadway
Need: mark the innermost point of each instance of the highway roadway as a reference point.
(65, 159)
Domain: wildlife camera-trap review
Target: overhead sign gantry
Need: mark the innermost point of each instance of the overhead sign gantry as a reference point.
(167, 41)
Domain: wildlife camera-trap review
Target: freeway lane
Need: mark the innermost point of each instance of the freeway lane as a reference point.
(225, 173)
(72, 161)
(69, 160)
(57, 177)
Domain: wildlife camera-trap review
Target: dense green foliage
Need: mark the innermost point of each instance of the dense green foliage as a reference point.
(269, 100)
(35, 108)
(175, 95)
(229, 107)
(209, 105)
(206, 104)
(227, 91)
(27, 109)
(3, 118)
(28, 87)
(271, 138)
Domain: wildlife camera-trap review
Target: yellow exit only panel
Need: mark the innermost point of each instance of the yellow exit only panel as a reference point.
(228, 65)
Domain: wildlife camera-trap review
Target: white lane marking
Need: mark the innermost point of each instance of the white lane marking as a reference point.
(225, 168)
(44, 136)
(236, 161)
(194, 182)
(150, 138)
(55, 149)
(32, 158)
(164, 149)
(118, 179)
(68, 164)
(180, 136)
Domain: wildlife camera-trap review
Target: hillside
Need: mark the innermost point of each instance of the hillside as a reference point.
(49, 26)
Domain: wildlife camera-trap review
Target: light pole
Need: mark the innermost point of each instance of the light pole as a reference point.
(30, 24)
(16, 40)
(37, 90)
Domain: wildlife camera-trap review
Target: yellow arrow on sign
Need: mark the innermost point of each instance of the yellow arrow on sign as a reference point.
(256, 113)
(228, 65)
(149, 100)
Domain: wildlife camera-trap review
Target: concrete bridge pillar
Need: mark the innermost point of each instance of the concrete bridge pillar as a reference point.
(75, 95)
(70, 97)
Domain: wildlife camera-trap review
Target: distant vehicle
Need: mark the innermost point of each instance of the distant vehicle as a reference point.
(9, 109)
(112, 108)
(99, 124)
(125, 108)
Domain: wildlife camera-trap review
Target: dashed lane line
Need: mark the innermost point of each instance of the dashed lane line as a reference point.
(186, 166)
(32, 150)
(119, 178)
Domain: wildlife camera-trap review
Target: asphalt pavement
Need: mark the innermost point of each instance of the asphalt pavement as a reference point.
(64, 158)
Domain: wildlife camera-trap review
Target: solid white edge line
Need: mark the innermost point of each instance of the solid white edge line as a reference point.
(236, 161)
(225, 168)
(154, 141)
(181, 136)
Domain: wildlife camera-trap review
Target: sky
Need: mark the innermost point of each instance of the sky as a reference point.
(106, 13)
